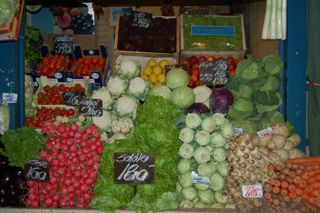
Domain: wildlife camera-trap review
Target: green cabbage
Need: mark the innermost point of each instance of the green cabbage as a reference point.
(189, 193)
(183, 97)
(216, 182)
(207, 169)
(161, 90)
(206, 196)
(241, 109)
(272, 64)
(184, 166)
(177, 78)
(201, 155)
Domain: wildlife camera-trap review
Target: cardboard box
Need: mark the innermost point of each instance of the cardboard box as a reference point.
(10, 30)
(200, 32)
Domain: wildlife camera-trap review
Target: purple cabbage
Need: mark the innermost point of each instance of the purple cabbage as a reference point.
(220, 100)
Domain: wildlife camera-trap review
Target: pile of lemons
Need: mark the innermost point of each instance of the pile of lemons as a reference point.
(154, 71)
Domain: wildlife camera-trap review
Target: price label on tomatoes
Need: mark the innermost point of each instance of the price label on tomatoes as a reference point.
(214, 72)
(63, 45)
(72, 98)
(91, 107)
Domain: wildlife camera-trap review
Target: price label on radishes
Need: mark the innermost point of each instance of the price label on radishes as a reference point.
(252, 191)
(134, 168)
(37, 170)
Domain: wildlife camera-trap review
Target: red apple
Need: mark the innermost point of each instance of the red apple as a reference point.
(75, 12)
(63, 21)
(202, 58)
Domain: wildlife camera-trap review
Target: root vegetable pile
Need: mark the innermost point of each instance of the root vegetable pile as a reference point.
(246, 166)
(279, 146)
(73, 156)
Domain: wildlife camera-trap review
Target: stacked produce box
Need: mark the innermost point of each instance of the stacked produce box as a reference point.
(157, 136)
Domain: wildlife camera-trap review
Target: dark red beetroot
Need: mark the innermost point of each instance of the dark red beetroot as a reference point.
(220, 100)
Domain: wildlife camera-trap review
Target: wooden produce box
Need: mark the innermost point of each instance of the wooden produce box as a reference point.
(225, 39)
(67, 210)
(145, 36)
(85, 41)
(9, 31)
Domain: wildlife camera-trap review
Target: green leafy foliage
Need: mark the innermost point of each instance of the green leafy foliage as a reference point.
(21, 145)
(154, 133)
(255, 88)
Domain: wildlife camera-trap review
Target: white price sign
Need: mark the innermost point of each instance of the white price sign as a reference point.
(199, 179)
(10, 98)
(265, 133)
(252, 191)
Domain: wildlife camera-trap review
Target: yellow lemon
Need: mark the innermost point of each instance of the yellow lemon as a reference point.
(145, 77)
(157, 70)
(162, 78)
(147, 71)
(163, 63)
(151, 62)
(153, 79)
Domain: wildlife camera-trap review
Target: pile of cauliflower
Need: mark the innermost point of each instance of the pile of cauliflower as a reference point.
(120, 100)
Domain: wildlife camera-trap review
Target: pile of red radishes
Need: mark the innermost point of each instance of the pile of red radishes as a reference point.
(73, 156)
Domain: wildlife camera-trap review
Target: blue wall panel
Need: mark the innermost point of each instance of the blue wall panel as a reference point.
(12, 77)
(296, 61)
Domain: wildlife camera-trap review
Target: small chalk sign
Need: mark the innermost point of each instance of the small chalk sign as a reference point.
(214, 72)
(63, 45)
(91, 107)
(142, 20)
(37, 170)
(72, 98)
(134, 168)
(167, 68)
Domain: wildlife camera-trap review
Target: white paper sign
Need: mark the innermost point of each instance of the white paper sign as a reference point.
(10, 98)
(237, 131)
(252, 191)
(199, 179)
(265, 133)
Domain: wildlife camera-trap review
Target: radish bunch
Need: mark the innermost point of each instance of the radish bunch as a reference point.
(73, 156)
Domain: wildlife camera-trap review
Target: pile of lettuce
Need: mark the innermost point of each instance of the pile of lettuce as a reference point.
(256, 91)
(154, 133)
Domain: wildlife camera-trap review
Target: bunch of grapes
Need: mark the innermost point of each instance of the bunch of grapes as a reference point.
(82, 24)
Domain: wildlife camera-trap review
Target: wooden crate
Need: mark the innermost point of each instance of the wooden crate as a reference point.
(235, 54)
(66, 210)
(9, 31)
(152, 53)
(141, 57)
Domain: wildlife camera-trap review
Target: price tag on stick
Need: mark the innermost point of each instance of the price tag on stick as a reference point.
(134, 168)
(252, 191)
(37, 170)
(214, 72)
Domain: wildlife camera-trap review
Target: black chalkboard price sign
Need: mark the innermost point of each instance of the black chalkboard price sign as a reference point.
(134, 168)
(63, 45)
(91, 107)
(72, 98)
(214, 72)
(37, 170)
(142, 20)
